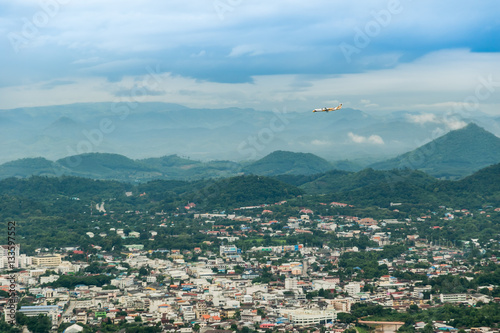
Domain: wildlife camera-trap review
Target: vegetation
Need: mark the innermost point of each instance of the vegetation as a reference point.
(39, 324)
(486, 315)
(69, 281)
(288, 163)
(454, 155)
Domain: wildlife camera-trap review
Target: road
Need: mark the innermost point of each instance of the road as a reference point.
(68, 312)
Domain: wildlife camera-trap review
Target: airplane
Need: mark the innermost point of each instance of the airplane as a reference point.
(328, 109)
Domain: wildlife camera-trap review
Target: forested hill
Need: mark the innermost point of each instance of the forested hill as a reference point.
(478, 190)
(118, 167)
(342, 181)
(367, 187)
(285, 162)
(60, 210)
(52, 194)
(454, 155)
(244, 191)
(172, 167)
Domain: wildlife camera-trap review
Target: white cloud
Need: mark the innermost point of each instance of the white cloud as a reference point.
(454, 123)
(366, 103)
(320, 142)
(423, 118)
(372, 139)
(435, 83)
(451, 121)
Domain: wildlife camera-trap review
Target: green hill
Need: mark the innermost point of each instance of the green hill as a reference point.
(244, 191)
(486, 180)
(342, 181)
(483, 185)
(104, 166)
(454, 155)
(169, 162)
(417, 188)
(56, 211)
(175, 167)
(118, 167)
(285, 162)
(37, 166)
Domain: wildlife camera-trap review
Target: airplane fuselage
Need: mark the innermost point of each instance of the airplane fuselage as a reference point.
(328, 109)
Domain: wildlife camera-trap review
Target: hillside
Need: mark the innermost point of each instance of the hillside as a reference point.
(485, 183)
(57, 211)
(175, 167)
(37, 166)
(118, 167)
(172, 167)
(288, 163)
(454, 155)
(240, 191)
(416, 188)
(343, 181)
(104, 166)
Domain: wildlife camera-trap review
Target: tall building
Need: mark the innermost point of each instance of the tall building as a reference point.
(9, 259)
(291, 284)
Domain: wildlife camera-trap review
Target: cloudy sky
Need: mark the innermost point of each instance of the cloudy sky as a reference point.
(377, 56)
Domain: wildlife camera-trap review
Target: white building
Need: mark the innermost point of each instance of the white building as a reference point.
(352, 288)
(9, 256)
(309, 317)
(291, 284)
(453, 298)
(323, 284)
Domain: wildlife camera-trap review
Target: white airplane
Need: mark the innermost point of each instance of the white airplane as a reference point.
(328, 109)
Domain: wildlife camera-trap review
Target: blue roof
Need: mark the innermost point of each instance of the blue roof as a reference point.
(35, 308)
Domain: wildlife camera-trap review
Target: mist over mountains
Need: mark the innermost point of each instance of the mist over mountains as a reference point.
(454, 155)
(147, 130)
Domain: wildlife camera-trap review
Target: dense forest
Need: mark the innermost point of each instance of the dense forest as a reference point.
(59, 211)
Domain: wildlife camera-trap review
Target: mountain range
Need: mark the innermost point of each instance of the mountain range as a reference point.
(452, 156)
(146, 130)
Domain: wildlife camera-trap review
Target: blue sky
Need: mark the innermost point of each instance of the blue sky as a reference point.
(377, 56)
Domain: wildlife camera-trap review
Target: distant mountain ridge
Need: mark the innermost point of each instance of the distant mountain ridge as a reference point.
(454, 155)
(107, 166)
(236, 134)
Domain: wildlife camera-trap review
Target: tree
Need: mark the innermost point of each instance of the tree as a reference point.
(143, 271)
(413, 309)
(346, 317)
(428, 328)
(237, 315)
(38, 324)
